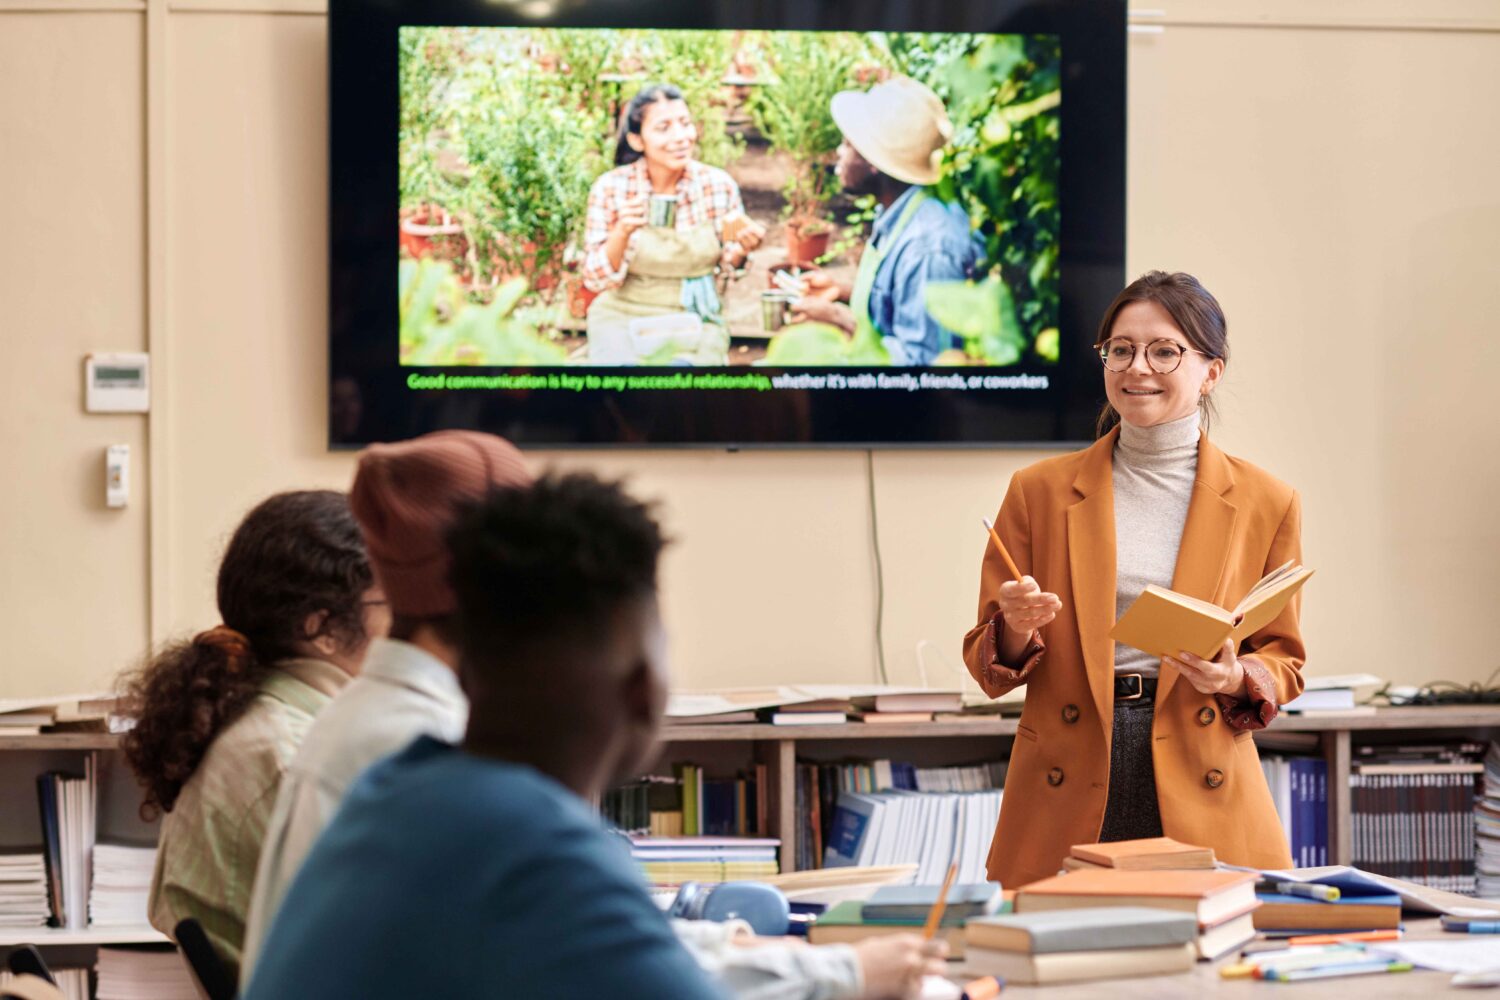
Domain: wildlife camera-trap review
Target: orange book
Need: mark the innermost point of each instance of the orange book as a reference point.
(1162, 622)
(1213, 896)
(1149, 854)
(1292, 913)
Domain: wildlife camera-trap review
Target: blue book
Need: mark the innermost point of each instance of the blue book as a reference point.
(1320, 813)
(1300, 814)
(851, 838)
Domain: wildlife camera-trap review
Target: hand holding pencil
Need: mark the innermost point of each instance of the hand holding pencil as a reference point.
(1024, 605)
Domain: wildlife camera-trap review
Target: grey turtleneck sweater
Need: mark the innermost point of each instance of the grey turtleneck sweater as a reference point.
(1154, 469)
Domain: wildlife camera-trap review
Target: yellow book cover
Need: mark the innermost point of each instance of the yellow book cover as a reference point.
(1162, 622)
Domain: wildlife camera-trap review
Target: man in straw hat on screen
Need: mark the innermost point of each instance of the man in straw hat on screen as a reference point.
(894, 134)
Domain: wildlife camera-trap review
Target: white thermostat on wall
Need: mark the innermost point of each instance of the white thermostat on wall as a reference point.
(117, 382)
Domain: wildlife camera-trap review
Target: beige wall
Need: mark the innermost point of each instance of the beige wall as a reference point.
(1331, 178)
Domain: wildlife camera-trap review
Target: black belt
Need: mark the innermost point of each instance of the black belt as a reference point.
(1134, 687)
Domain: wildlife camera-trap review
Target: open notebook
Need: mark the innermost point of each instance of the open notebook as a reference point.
(1162, 622)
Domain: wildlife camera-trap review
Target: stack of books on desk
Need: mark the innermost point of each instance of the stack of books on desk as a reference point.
(1286, 912)
(896, 909)
(1487, 829)
(1061, 946)
(669, 861)
(1412, 812)
(1221, 902)
(23, 889)
(1146, 855)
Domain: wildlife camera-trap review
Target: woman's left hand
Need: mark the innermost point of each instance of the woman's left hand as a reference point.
(733, 257)
(751, 235)
(1224, 674)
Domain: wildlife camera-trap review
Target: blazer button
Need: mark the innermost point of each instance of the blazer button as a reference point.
(1205, 715)
(1214, 778)
(1055, 777)
(1070, 714)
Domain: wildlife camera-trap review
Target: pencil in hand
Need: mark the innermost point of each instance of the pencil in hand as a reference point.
(1010, 564)
(935, 915)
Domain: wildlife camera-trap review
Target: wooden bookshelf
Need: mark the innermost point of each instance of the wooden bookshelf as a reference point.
(777, 747)
(45, 937)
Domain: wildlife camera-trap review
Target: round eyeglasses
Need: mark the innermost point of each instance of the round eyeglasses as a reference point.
(1118, 354)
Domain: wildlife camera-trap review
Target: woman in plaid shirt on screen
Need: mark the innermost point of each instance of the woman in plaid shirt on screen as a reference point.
(659, 304)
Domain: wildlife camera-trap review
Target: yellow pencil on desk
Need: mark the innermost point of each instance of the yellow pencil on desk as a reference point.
(995, 537)
(935, 915)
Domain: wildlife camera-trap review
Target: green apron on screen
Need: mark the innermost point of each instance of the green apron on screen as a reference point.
(670, 272)
(865, 330)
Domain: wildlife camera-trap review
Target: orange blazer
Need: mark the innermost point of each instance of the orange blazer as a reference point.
(1057, 520)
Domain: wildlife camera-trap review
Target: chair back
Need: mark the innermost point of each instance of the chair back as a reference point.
(29, 987)
(213, 979)
(25, 960)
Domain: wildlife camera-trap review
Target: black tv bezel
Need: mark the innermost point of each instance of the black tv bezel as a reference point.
(363, 203)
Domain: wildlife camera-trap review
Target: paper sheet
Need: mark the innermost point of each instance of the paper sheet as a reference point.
(690, 704)
(1414, 898)
(1469, 953)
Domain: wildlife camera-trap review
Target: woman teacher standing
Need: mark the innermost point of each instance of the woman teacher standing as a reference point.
(1114, 744)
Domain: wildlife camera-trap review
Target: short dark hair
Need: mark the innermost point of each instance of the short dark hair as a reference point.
(544, 562)
(635, 116)
(1194, 311)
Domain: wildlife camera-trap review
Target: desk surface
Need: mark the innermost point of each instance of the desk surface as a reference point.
(1204, 981)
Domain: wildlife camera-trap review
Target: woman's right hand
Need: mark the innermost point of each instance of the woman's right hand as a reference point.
(632, 216)
(1025, 606)
(893, 965)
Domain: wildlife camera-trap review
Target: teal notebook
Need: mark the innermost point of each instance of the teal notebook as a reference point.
(912, 903)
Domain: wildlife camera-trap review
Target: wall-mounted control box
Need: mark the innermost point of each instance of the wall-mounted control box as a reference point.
(117, 382)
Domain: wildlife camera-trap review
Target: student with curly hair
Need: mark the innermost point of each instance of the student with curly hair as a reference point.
(219, 717)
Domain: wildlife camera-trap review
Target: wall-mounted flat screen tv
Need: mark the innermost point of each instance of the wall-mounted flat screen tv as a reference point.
(798, 223)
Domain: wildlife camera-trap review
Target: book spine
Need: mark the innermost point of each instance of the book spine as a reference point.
(1320, 813)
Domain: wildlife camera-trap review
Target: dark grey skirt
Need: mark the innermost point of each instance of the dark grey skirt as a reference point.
(1132, 811)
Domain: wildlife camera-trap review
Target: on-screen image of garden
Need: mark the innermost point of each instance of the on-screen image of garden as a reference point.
(712, 198)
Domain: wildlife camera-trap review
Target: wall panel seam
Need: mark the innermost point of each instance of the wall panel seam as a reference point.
(158, 423)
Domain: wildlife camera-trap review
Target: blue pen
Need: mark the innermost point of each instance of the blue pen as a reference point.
(1474, 927)
(1465, 925)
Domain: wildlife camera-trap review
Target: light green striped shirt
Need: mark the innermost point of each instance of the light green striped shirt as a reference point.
(210, 841)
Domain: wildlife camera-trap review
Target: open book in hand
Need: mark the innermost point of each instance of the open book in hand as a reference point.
(1162, 622)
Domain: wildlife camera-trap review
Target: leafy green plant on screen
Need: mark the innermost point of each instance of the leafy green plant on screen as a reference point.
(439, 326)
